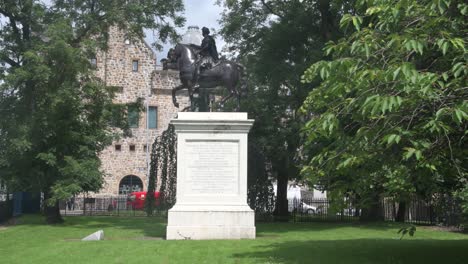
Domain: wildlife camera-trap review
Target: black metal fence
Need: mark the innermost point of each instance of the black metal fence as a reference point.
(436, 211)
(308, 210)
(104, 206)
(417, 211)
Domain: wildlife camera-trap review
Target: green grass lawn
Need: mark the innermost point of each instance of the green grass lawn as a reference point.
(140, 240)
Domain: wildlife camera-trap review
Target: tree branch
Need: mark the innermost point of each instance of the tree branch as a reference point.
(6, 59)
(271, 9)
(7, 14)
(13, 19)
(85, 30)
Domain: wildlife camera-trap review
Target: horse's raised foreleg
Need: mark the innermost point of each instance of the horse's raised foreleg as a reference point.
(174, 90)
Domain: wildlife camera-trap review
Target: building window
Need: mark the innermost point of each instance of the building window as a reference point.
(132, 147)
(145, 148)
(129, 184)
(153, 117)
(133, 116)
(118, 147)
(135, 65)
(93, 62)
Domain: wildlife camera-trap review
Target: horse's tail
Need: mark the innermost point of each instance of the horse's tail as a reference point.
(242, 79)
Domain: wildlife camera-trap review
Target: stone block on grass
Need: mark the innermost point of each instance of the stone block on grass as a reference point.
(99, 235)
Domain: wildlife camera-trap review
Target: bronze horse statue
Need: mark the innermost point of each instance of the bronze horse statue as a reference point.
(225, 73)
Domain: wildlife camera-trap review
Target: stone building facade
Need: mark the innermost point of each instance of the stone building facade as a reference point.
(131, 66)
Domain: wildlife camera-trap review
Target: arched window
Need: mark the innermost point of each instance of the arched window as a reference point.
(130, 183)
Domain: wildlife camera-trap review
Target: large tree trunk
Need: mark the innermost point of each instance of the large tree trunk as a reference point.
(9, 205)
(372, 212)
(327, 26)
(51, 212)
(281, 209)
(401, 213)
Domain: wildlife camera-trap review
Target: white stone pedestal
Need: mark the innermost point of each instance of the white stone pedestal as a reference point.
(211, 177)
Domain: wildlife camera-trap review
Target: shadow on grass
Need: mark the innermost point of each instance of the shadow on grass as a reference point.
(360, 251)
(280, 227)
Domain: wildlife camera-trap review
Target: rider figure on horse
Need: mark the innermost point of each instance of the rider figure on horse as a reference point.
(208, 52)
(200, 70)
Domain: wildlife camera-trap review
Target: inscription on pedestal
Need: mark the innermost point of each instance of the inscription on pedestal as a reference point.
(213, 167)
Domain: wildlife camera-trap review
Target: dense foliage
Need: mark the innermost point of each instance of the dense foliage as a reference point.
(260, 190)
(277, 41)
(390, 115)
(56, 115)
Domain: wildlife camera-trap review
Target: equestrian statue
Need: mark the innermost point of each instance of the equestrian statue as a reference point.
(200, 68)
(170, 63)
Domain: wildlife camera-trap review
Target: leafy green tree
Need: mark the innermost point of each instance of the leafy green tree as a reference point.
(390, 115)
(277, 41)
(56, 115)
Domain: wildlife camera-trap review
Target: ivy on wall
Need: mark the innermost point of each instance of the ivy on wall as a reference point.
(163, 161)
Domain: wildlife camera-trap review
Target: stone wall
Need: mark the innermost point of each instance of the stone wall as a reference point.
(114, 66)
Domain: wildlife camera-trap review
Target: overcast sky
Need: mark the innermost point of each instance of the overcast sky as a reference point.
(201, 13)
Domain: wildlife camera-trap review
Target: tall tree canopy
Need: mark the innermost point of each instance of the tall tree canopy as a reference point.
(55, 114)
(277, 41)
(390, 115)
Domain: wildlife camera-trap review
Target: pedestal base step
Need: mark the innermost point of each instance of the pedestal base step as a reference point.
(209, 232)
(210, 224)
